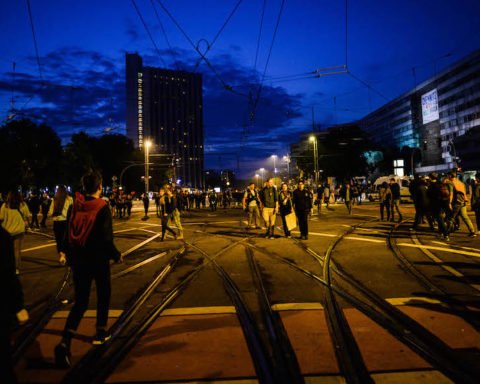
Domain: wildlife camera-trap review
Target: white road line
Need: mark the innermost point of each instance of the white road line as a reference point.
(297, 306)
(39, 247)
(431, 256)
(133, 267)
(127, 252)
(129, 230)
(199, 311)
(412, 300)
(467, 248)
(363, 239)
(88, 313)
(318, 234)
(442, 249)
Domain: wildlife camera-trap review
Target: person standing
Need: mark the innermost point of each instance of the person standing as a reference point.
(177, 202)
(90, 249)
(326, 195)
(166, 211)
(395, 188)
(269, 200)
(476, 199)
(14, 217)
(385, 197)
(302, 204)
(251, 204)
(212, 199)
(34, 206)
(146, 203)
(59, 212)
(422, 204)
(129, 203)
(319, 200)
(285, 207)
(45, 207)
(458, 202)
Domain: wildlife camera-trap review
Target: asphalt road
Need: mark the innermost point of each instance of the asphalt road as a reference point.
(362, 300)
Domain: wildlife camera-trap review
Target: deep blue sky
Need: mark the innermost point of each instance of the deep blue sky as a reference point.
(82, 43)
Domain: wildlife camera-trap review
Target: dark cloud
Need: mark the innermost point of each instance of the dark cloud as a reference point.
(85, 90)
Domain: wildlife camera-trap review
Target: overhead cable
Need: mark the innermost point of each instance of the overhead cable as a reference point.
(34, 39)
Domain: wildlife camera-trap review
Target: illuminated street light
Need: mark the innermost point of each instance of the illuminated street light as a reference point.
(147, 146)
(286, 158)
(256, 177)
(313, 139)
(274, 157)
(262, 171)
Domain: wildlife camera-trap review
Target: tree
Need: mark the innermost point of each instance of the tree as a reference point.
(30, 155)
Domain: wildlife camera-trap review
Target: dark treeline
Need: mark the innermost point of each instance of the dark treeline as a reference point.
(32, 157)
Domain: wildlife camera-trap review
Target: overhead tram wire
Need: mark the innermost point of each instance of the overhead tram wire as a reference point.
(148, 31)
(164, 32)
(40, 71)
(259, 91)
(212, 68)
(210, 45)
(259, 36)
(369, 86)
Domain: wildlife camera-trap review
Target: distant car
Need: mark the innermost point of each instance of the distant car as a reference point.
(403, 181)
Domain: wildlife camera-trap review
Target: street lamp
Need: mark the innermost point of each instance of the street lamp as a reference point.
(256, 177)
(262, 170)
(313, 139)
(274, 157)
(147, 146)
(286, 158)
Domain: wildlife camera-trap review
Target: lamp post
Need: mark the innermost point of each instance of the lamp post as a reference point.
(256, 179)
(313, 139)
(286, 158)
(262, 170)
(274, 157)
(147, 146)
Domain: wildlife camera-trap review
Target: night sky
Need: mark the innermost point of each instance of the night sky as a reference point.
(82, 47)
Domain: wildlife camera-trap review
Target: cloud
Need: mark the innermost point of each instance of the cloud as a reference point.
(85, 90)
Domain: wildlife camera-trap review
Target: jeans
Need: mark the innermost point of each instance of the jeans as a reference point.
(461, 211)
(385, 205)
(253, 216)
(396, 206)
(60, 232)
(176, 219)
(269, 216)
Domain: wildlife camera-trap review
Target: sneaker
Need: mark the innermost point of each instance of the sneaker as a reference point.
(472, 234)
(101, 337)
(62, 356)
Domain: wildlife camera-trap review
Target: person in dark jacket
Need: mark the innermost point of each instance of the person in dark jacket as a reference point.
(45, 206)
(167, 206)
(437, 204)
(12, 307)
(302, 203)
(347, 194)
(285, 207)
(146, 203)
(395, 188)
(89, 251)
(422, 204)
(34, 206)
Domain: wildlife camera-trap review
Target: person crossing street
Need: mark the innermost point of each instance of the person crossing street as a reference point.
(302, 203)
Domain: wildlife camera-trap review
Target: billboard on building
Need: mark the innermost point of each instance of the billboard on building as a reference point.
(430, 106)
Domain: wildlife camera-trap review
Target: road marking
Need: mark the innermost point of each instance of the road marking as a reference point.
(431, 256)
(297, 307)
(318, 234)
(39, 247)
(127, 252)
(133, 267)
(88, 313)
(457, 246)
(129, 230)
(363, 239)
(442, 249)
(199, 311)
(397, 301)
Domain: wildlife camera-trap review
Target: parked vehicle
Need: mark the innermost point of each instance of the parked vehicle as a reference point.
(403, 181)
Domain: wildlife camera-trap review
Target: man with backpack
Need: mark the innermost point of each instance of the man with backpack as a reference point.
(90, 249)
(458, 203)
(438, 195)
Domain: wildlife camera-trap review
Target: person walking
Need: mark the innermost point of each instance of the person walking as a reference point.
(90, 249)
(302, 203)
(34, 206)
(326, 196)
(176, 214)
(422, 204)
(212, 199)
(269, 200)
(475, 200)
(14, 218)
(319, 199)
(395, 188)
(128, 204)
(458, 202)
(166, 211)
(13, 308)
(346, 193)
(59, 209)
(251, 204)
(45, 207)
(385, 197)
(438, 196)
(285, 207)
